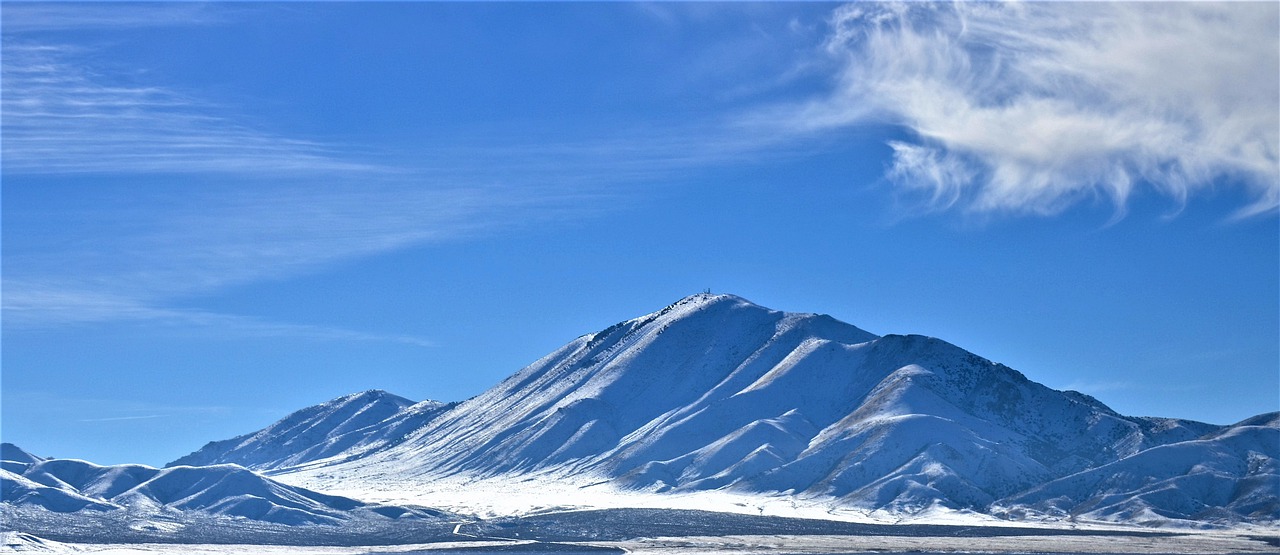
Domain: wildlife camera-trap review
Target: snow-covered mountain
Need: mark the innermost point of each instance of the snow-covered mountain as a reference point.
(347, 424)
(72, 485)
(714, 392)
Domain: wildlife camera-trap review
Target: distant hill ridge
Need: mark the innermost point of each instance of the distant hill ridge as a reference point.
(71, 485)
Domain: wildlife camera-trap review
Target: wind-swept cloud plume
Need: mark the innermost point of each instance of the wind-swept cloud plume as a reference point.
(1032, 107)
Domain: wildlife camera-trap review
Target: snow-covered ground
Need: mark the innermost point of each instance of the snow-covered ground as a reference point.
(499, 497)
(1199, 543)
(744, 545)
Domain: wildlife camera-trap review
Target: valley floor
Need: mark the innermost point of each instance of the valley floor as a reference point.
(1179, 544)
(662, 532)
(524, 517)
(1194, 543)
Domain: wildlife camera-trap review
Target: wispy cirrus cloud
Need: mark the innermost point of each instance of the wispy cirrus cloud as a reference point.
(1033, 107)
(207, 238)
(228, 201)
(220, 200)
(124, 418)
(135, 260)
(98, 409)
(22, 17)
(62, 116)
(255, 206)
(67, 111)
(37, 306)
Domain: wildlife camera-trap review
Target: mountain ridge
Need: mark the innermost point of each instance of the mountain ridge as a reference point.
(312, 433)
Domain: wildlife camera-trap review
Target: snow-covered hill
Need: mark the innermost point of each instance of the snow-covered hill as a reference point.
(1232, 474)
(15, 459)
(347, 424)
(12, 453)
(71, 485)
(716, 393)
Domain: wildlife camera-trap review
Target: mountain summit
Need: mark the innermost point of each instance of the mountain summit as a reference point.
(343, 425)
(715, 392)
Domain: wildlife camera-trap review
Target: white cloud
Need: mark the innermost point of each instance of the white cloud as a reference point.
(931, 170)
(1032, 107)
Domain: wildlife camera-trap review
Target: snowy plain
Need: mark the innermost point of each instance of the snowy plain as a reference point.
(1188, 543)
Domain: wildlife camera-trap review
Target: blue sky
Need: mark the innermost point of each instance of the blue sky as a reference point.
(215, 214)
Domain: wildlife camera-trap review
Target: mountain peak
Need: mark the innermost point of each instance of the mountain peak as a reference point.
(708, 296)
(722, 306)
(699, 301)
(13, 453)
(370, 395)
(305, 435)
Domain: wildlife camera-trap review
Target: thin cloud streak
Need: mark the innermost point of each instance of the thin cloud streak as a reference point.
(208, 239)
(36, 307)
(250, 205)
(22, 17)
(124, 418)
(1030, 108)
(104, 262)
(61, 117)
(66, 114)
(280, 206)
(82, 409)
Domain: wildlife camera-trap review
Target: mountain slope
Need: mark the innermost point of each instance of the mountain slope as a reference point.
(345, 424)
(584, 399)
(1232, 474)
(714, 392)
